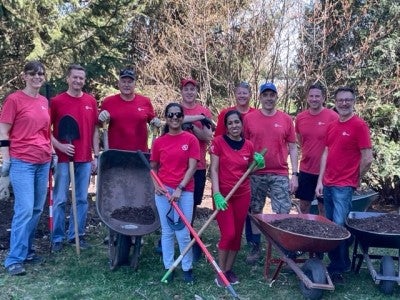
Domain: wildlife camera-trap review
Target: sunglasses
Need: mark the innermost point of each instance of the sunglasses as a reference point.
(176, 114)
(32, 73)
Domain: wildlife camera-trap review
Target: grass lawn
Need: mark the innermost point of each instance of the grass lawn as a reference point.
(66, 276)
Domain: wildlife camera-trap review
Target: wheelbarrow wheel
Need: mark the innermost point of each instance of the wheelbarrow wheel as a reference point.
(136, 253)
(118, 248)
(387, 269)
(315, 271)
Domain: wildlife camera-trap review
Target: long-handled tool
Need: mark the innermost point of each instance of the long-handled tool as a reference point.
(192, 231)
(68, 130)
(210, 219)
(51, 224)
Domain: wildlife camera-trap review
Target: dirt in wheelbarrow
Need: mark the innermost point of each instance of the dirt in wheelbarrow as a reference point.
(139, 215)
(387, 223)
(311, 228)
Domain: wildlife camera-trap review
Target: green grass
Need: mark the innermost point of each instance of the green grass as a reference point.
(66, 276)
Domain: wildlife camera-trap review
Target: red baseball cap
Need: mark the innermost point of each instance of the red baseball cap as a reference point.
(186, 81)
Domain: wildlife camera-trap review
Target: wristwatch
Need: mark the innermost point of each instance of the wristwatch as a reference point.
(181, 187)
(295, 173)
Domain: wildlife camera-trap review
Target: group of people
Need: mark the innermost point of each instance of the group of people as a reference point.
(335, 154)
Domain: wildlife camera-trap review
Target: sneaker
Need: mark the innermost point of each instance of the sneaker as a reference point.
(82, 243)
(57, 247)
(337, 278)
(16, 270)
(188, 276)
(254, 255)
(32, 258)
(218, 281)
(232, 278)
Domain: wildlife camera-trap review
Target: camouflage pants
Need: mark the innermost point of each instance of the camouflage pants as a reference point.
(275, 187)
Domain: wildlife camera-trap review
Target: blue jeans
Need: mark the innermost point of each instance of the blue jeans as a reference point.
(29, 183)
(185, 204)
(60, 195)
(337, 202)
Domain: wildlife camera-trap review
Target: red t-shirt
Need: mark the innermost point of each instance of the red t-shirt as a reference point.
(312, 131)
(128, 122)
(232, 164)
(84, 110)
(172, 153)
(274, 133)
(221, 128)
(345, 140)
(197, 110)
(30, 127)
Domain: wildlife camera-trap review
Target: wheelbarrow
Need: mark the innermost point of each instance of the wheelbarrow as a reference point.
(313, 275)
(125, 204)
(360, 201)
(386, 277)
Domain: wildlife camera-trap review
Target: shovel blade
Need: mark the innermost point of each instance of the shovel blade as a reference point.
(68, 129)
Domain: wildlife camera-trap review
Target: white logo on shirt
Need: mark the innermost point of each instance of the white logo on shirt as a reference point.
(185, 147)
(344, 133)
(245, 158)
(140, 109)
(277, 125)
(43, 107)
(88, 107)
(321, 123)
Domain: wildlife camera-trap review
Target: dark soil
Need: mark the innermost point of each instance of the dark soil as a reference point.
(139, 215)
(388, 223)
(311, 228)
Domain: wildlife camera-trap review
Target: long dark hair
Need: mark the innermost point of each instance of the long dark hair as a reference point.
(230, 113)
(172, 104)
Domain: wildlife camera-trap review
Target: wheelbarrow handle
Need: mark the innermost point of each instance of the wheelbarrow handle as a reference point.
(192, 231)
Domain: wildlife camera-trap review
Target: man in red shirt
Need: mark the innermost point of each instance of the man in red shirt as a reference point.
(311, 127)
(128, 113)
(199, 116)
(346, 158)
(272, 129)
(83, 108)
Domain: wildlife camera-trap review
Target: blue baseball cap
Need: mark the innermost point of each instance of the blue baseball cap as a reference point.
(268, 86)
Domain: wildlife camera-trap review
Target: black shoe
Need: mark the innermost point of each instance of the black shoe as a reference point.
(337, 278)
(16, 270)
(82, 243)
(32, 258)
(188, 276)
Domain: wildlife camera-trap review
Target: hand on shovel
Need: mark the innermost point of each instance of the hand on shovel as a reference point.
(220, 202)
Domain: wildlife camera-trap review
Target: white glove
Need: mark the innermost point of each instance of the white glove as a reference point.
(4, 190)
(104, 116)
(156, 122)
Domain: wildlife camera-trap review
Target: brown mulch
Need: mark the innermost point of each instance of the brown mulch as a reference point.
(311, 228)
(139, 215)
(387, 223)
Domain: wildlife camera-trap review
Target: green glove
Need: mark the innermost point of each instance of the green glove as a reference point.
(220, 202)
(259, 159)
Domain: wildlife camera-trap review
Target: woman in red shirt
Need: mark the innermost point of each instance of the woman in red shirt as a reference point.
(231, 155)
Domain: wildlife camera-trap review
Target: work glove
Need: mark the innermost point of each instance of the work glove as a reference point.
(4, 187)
(5, 168)
(187, 126)
(54, 161)
(156, 122)
(220, 202)
(104, 116)
(207, 122)
(259, 159)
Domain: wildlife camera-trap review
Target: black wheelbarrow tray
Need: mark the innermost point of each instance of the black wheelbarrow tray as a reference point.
(124, 182)
(313, 275)
(386, 278)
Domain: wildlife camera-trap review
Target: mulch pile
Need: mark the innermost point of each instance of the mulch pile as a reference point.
(139, 215)
(387, 223)
(311, 228)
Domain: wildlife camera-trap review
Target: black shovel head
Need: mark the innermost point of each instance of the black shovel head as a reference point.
(68, 129)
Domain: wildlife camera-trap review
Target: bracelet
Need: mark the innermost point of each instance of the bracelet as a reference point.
(4, 143)
(181, 187)
(295, 173)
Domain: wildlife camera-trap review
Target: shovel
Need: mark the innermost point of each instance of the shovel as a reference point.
(210, 219)
(190, 228)
(68, 130)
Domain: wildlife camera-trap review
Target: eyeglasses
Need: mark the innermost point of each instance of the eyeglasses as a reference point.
(32, 73)
(176, 114)
(345, 100)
